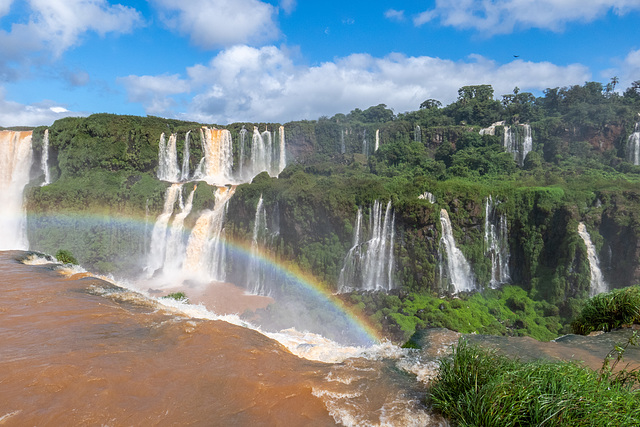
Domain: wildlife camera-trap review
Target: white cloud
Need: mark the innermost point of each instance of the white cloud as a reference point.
(394, 15)
(288, 6)
(38, 114)
(53, 27)
(5, 5)
(154, 92)
(218, 23)
(60, 23)
(505, 16)
(246, 83)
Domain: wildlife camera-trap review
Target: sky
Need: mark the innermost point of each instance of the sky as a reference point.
(224, 61)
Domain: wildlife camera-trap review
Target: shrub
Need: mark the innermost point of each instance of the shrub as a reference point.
(608, 311)
(66, 257)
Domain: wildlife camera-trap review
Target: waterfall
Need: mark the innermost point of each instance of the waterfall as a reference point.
(218, 155)
(598, 285)
(283, 153)
(342, 147)
(417, 134)
(260, 153)
(175, 246)
(519, 147)
(44, 161)
(15, 164)
(365, 145)
(184, 176)
(205, 253)
(458, 270)
(243, 137)
(159, 234)
(256, 274)
(496, 242)
(491, 130)
(527, 143)
(377, 140)
(633, 146)
(427, 196)
(369, 265)
(168, 159)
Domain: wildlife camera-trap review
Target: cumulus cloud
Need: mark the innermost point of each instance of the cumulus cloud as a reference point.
(218, 23)
(154, 92)
(5, 5)
(263, 84)
(53, 27)
(505, 16)
(288, 5)
(394, 15)
(38, 114)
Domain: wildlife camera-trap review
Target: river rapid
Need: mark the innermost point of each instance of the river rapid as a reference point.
(78, 350)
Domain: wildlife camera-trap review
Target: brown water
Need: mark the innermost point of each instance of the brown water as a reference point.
(72, 356)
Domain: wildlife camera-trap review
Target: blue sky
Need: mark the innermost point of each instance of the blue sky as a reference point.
(220, 61)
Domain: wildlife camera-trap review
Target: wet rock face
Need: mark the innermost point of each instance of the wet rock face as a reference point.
(621, 264)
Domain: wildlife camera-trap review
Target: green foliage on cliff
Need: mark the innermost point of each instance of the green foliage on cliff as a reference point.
(104, 166)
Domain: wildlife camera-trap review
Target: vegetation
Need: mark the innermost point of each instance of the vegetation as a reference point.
(478, 387)
(608, 311)
(178, 296)
(105, 196)
(66, 257)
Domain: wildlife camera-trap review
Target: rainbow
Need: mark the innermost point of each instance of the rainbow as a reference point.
(311, 287)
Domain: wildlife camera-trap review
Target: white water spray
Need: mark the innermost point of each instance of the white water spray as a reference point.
(44, 161)
(256, 275)
(377, 140)
(168, 159)
(633, 146)
(205, 254)
(283, 152)
(15, 164)
(158, 245)
(516, 145)
(184, 176)
(369, 265)
(496, 243)
(598, 285)
(458, 270)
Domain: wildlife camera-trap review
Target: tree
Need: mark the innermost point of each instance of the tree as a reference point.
(431, 103)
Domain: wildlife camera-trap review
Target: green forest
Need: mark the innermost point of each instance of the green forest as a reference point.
(105, 195)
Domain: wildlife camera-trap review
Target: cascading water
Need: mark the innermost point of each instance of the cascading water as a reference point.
(365, 144)
(458, 271)
(417, 134)
(44, 161)
(491, 130)
(168, 169)
(428, 197)
(598, 285)
(15, 164)
(260, 153)
(158, 246)
(184, 176)
(496, 242)
(205, 253)
(256, 282)
(218, 156)
(342, 146)
(369, 264)
(633, 146)
(283, 151)
(243, 138)
(377, 140)
(519, 147)
(176, 242)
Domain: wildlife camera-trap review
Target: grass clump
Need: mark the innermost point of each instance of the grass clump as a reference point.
(477, 387)
(178, 296)
(66, 257)
(608, 311)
